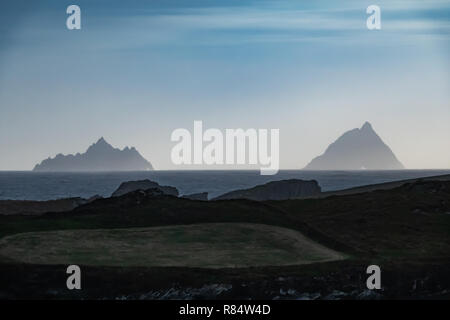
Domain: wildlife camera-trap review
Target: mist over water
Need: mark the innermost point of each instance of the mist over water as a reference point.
(25, 185)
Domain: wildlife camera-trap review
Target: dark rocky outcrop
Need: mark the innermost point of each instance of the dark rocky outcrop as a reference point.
(127, 202)
(355, 150)
(28, 207)
(276, 190)
(203, 196)
(382, 186)
(93, 198)
(130, 186)
(100, 156)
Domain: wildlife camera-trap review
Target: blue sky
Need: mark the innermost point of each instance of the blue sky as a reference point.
(137, 70)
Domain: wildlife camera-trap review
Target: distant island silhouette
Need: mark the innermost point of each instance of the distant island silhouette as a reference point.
(355, 150)
(100, 156)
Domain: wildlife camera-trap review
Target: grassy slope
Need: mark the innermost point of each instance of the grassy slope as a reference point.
(407, 222)
(158, 212)
(207, 245)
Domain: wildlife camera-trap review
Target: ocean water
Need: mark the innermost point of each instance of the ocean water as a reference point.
(26, 185)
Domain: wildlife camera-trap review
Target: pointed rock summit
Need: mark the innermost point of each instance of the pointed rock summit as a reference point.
(366, 126)
(355, 150)
(100, 156)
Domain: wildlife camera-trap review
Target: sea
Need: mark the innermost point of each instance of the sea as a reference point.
(28, 185)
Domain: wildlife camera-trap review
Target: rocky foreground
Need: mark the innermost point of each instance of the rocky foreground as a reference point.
(404, 230)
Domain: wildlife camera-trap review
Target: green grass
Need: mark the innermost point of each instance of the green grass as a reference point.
(217, 245)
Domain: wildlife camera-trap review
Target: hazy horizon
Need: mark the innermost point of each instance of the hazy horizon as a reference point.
(137, 71)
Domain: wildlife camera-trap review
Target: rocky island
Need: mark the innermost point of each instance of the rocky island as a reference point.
(100, 156)
(357, 149)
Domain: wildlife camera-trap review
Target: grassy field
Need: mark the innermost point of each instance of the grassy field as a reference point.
(215, 245)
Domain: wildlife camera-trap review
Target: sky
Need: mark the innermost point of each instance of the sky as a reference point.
(137, 70)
